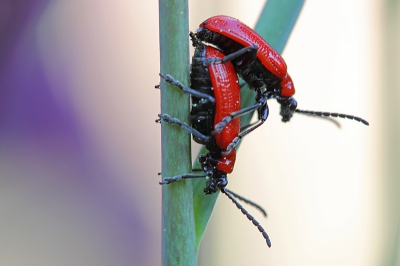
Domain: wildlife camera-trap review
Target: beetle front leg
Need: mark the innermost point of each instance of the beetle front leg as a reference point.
(250, 52)
(264, 111)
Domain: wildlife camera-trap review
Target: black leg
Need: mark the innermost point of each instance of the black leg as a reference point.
(220, 126)
(264, 115)
(169, 180)
(251, 51)
(203, 139)
(168, 78)
(261, 103)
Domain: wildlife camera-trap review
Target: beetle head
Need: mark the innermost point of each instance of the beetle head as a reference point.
(288, 107)
(216, 182)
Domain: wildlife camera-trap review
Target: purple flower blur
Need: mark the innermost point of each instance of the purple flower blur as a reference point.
(60, 200)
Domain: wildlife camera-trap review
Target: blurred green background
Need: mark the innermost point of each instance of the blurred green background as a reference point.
(80, 152)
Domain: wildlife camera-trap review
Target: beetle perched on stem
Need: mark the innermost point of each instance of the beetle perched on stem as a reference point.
(215, 94)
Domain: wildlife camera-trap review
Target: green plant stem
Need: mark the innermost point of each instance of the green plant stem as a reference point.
(178, 237)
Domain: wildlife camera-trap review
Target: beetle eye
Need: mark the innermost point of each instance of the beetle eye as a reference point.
(293, 105)
(222, 182)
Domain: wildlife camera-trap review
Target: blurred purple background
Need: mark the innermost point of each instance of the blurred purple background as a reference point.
(63, 201)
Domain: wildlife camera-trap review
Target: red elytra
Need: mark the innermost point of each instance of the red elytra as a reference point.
(227, 100)
(215, 92)
(246, 36)
(242, 34)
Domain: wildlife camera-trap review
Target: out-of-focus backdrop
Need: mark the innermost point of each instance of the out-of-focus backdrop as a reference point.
(80, 152)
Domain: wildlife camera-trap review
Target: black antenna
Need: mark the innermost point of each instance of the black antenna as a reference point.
(329, 119)
(255, 205)
(327, 114)
(251, 218)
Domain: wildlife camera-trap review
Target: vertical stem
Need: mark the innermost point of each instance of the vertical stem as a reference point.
(178, 239)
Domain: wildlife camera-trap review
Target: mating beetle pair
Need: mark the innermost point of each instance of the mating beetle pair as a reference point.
(215, 95)
(215, 91)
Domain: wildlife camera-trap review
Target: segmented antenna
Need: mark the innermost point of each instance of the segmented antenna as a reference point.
(255, 205)
(327, 114)
(251, 218)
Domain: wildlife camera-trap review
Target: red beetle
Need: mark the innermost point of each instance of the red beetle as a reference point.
(226, 89)
(258, 64)
(255, 60)
(233, 29)
(215, 94)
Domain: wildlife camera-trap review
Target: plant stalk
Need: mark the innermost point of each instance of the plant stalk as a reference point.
(178, 237)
